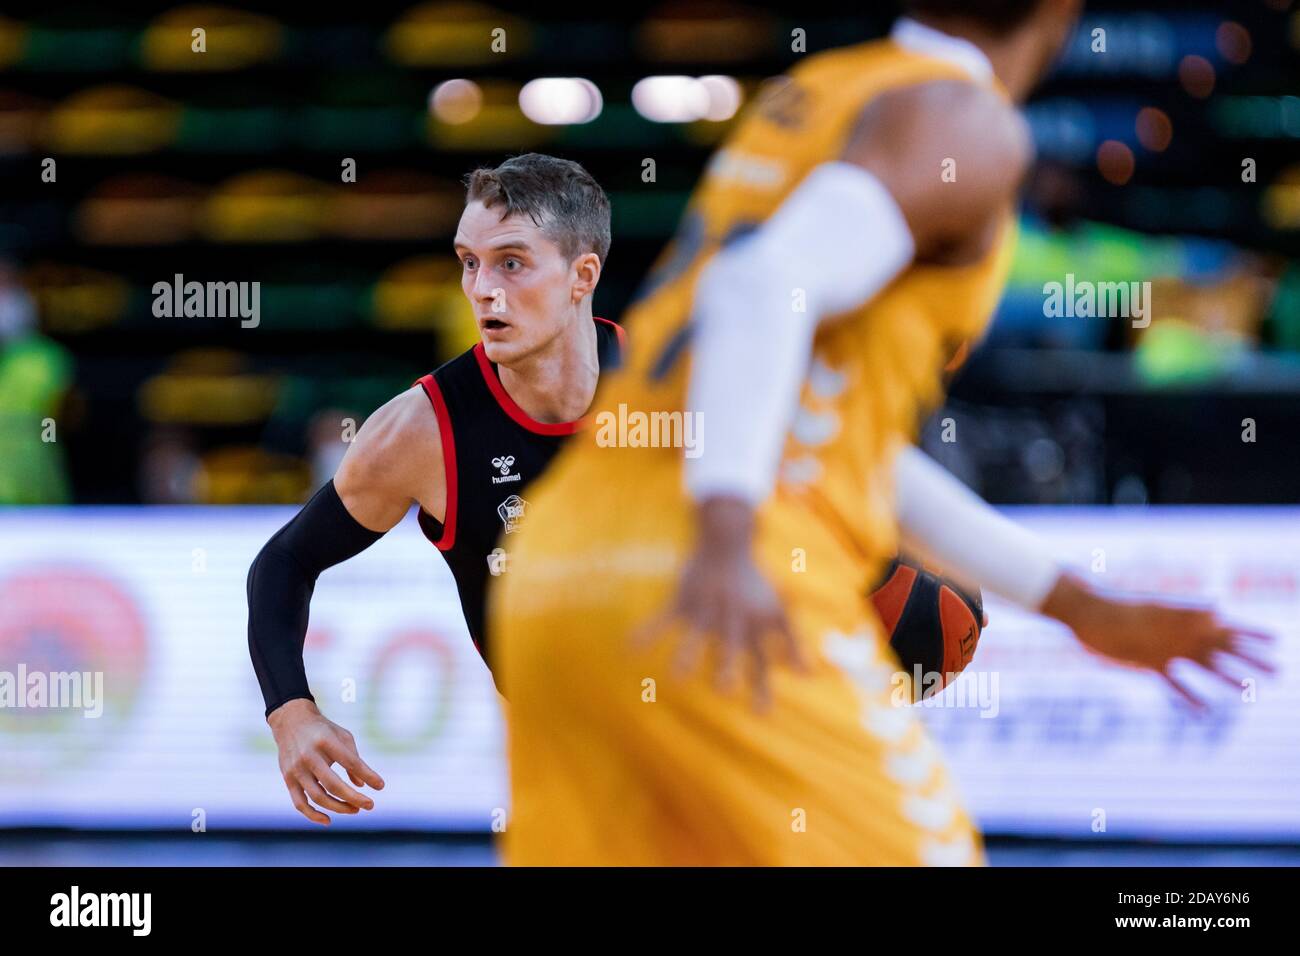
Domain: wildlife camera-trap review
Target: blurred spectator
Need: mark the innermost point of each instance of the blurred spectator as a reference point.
(35, 374)
(328, 436)
(169, 467)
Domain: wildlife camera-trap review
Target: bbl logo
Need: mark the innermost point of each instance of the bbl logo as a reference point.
(511, 512)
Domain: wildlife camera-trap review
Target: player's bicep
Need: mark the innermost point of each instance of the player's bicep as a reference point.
(951, 154)
(394, 459)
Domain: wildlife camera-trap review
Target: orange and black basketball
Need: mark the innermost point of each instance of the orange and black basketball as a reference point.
(932, 622)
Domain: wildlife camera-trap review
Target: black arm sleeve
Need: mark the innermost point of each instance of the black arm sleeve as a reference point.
(280, 585)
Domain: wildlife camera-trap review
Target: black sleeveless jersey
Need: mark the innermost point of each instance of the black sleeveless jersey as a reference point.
(491, 450)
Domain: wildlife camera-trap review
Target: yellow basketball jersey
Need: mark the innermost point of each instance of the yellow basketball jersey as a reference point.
(875, 370)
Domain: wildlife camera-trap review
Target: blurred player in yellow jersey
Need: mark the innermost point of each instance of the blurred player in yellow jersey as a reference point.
(720, 523)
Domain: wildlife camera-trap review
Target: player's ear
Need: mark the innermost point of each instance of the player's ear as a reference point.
(586, 271)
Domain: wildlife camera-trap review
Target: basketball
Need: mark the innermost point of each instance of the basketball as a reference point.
(932, 622)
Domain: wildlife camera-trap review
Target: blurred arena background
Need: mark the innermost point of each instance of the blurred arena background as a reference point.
(144, 459)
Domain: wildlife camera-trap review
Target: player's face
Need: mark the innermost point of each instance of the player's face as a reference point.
(519, 282)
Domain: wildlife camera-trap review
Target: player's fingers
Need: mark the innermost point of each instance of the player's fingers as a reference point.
(1193, 701)
(1254, 633)
(1225, 641)
(686, 658)
(1251, 658)
(322, 799)
(302, 806)
(759, 672)
(345, 752)
(733, 629)
(791, 649)
(1215, 665)
(335, 786)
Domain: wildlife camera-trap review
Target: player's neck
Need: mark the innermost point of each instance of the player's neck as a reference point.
(1015, 56)
(558, 383)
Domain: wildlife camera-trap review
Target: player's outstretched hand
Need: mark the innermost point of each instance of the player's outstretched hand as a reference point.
(1150, 634)
(309, 744)
(724, 604)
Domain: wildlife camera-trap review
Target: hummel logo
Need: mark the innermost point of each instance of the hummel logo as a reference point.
(504, 462)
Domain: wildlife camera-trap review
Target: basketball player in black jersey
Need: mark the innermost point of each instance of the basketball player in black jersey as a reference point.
(462, 443)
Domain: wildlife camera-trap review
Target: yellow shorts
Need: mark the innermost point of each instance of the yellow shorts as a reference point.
(614, 761)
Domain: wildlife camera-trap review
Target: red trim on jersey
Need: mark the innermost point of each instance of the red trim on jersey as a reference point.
(511, 407)
(618, 330)
(430, 386)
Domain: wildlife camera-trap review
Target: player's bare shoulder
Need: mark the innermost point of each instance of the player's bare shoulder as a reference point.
(953, 154)
(394, 459)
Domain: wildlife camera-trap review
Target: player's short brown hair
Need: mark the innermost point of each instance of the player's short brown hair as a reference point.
(1000, 16)
(557, 194)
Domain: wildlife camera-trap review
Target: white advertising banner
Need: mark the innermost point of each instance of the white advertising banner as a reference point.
(1076, 747)
(160, 721)
(155, 599)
